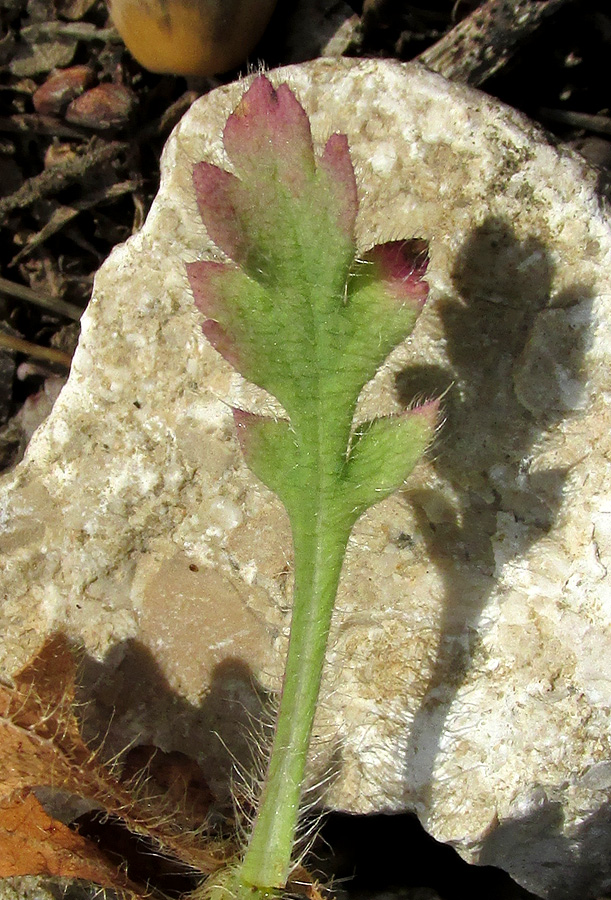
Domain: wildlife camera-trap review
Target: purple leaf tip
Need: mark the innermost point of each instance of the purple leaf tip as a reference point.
(336, 163)
(429, 411)
(221, 341)
(243, 419)
(216, 193)
(403, 265)
(270, 128)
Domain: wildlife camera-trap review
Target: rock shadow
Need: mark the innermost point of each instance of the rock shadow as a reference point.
(126, 702)
(503, 388)
(127, 705)
(557, 865)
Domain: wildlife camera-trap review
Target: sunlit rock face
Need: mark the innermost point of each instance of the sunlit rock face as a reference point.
(469, 672)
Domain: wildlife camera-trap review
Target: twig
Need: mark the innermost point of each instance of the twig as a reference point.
(58, 177)
(83, 31)
(599, 124)
(37, 124)
(64, 214)
(50, 354)
(174, 113)
(480, 45)
(59, 307)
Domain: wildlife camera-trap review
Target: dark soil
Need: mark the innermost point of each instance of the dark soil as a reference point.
(73, 184)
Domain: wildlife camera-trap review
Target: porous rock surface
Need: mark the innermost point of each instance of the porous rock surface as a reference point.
(469, 673)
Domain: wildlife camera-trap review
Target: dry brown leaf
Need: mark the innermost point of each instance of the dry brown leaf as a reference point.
(40, 745)
(32, 843)
(301, 884)
(35, 719)
(51, 673)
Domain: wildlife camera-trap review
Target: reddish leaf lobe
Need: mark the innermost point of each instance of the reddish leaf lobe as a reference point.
(269, 130)
(402, 265)
(336, 163)
(216, 192)
(428, 411)
(222, 342)
(243, 422)
(205, 279)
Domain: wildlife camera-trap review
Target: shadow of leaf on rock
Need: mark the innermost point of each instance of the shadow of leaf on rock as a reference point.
(127, 701)
(515, 369)
(127, 698)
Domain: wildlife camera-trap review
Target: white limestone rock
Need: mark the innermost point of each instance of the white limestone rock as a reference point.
(469, 673)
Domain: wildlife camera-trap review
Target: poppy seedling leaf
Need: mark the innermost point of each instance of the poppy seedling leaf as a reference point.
(297, 313)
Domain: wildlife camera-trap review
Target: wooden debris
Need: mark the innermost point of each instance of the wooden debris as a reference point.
(52, 304)
(58, 177)
(482, 43)
(49, 354)
(599, 124)
(62, 215)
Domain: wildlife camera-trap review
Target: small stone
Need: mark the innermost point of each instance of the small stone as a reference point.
(57, 154)
(61, 88)
(36, 53)
(103, 107)
(596, 150)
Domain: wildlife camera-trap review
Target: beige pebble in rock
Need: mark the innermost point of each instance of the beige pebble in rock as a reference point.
(469, 671)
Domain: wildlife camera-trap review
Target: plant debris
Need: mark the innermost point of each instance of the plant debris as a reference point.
(41, 747)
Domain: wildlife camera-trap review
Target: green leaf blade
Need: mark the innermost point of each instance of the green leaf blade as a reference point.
(268, 137)
(386, 293)
(385, 452)
(280, 204)
(271, 451)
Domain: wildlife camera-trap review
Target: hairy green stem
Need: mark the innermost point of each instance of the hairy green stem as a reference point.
(320, 535)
